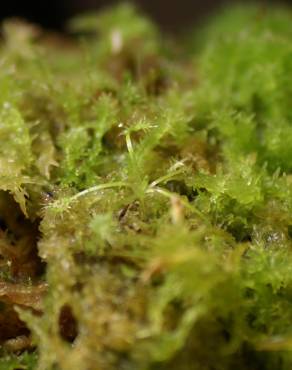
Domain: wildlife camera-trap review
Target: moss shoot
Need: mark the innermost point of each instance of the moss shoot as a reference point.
(146, 194)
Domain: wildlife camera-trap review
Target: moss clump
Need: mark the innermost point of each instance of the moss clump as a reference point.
(146, 195)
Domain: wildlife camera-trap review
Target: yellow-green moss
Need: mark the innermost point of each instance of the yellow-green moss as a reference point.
(162, 186)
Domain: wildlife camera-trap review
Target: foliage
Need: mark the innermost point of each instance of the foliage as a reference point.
(25, 361)
(162, 189)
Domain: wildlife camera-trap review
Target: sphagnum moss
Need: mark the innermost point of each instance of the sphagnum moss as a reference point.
(146, 197)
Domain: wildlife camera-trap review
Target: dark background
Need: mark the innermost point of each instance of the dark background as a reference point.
(172, 15)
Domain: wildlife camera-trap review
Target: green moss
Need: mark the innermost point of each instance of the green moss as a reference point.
(162, 188)
(25, 361)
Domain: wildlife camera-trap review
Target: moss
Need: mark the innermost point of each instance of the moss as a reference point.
(25, 361)
(156, 189)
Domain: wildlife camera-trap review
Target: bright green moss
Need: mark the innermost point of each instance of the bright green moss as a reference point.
(162, 189)
(25, 361)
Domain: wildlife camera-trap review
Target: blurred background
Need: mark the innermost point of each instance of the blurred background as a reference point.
(171, 15)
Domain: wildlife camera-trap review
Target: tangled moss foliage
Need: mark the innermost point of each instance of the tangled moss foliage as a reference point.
(163, 185)
(25, 361)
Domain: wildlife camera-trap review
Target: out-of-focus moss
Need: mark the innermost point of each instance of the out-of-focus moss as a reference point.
(25, 361)
(162, 190)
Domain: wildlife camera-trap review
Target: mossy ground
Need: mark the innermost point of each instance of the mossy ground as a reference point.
(154, 180)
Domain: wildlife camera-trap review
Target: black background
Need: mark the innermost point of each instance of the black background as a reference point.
(172, 15)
